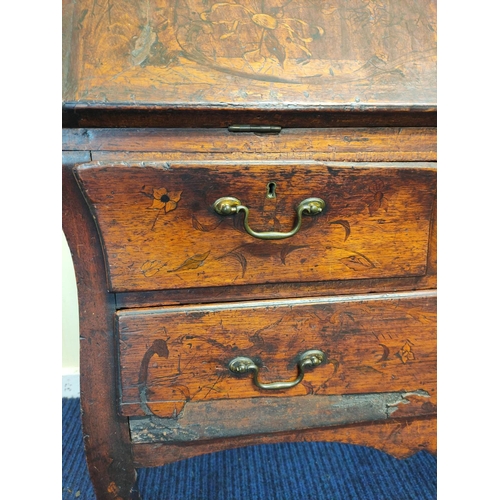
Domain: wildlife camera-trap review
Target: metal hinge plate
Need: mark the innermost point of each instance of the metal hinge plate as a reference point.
(256, 129)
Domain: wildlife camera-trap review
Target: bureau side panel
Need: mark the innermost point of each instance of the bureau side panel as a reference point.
(106, 434)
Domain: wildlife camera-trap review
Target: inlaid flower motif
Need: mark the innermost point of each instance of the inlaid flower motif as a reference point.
(357, 262)
(263, 31)
(405, 353)
(166, 200)
(377, 199)
(151, 267)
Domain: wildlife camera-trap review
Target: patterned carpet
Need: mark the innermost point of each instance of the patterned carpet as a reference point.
(319, 471)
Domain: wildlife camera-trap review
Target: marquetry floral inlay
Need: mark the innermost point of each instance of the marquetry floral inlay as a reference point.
(165, 200)
(263, 31)
(405, 353)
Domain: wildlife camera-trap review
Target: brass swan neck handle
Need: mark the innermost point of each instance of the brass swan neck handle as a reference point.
(231, 206)
(308, 359)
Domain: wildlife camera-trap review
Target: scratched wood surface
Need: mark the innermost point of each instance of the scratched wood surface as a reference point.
(373, 343)
(289, 290)
(159, 229)
(314, 65)
(227, 418)
(324, 144)
(106, 434)
(266, 56)
(400, 438)
(270, 52)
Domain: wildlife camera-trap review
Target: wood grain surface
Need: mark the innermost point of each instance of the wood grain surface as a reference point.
(106, 434)
(400, 438)
(324, 144)
(353, 84)
(159, 230)
(373, 343)
(252, 54)
(225, 418)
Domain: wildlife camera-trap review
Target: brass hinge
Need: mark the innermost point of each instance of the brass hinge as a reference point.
(257, 129)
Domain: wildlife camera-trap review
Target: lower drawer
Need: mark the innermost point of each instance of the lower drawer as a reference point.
(378, 353)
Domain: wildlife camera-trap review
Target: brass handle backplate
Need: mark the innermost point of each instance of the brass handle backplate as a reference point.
(231, 206)
(309, 359)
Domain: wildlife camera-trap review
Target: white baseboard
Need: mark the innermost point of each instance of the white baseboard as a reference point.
(71, 385)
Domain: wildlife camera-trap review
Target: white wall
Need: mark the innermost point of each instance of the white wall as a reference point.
(70, 329)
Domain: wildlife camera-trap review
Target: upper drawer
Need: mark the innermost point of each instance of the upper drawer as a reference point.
(159, 228)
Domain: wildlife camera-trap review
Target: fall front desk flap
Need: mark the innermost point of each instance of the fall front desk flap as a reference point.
(160, 229)
(249, 53)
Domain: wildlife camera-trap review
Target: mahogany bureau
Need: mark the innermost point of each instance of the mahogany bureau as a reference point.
(249, 193)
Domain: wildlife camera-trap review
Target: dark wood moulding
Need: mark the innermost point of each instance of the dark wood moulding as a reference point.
(116, 115)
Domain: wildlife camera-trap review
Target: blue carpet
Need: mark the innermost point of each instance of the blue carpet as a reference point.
(319, 471)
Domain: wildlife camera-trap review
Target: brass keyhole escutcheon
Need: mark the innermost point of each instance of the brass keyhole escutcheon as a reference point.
(271, 190)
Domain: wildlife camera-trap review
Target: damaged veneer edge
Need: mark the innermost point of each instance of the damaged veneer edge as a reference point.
(223, 418)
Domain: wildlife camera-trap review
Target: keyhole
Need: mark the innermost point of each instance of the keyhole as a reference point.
(271, 190)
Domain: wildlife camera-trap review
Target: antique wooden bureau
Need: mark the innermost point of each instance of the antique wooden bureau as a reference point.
(249, 194)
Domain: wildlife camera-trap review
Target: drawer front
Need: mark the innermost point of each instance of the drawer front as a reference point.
(371, 344)
(159, 229)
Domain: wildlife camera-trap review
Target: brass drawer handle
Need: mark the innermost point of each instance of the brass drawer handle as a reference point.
(309, 359)
(230, 206)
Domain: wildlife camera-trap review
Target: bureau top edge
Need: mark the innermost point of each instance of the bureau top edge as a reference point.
(126, 115)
